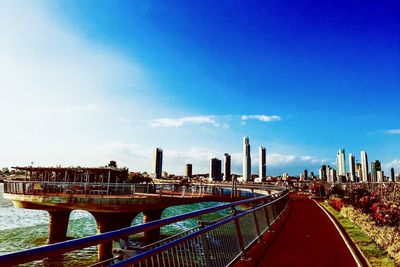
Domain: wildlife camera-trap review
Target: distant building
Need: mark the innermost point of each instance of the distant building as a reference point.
(380, 176)
(375, 167)
(352, 167)
(246, 159)
(392, 177)
(189, 170)
(364, 166)
(157, 162)
(341, 163)
(285, 176)
(215, 170)
(322, 173)
(332, 175)
(262, 163)
(358, 171)
(227, 167)
(305, 174)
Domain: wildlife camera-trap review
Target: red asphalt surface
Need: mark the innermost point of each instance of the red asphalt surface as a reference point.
(307, 238)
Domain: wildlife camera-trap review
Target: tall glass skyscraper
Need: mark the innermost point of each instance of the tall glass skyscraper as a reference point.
(157, 162)
(227, 167)
(215, 169)
(364, 167)
(262, 163)
(341, 163)
(246, 159)
(352, 166)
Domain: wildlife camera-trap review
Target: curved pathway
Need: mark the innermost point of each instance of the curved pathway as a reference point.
(308, 238)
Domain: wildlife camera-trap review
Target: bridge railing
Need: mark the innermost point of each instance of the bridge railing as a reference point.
(21, 187)
(214, 243)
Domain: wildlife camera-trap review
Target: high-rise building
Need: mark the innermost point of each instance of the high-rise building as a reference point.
(358, 171)
(341, 163)
(380, 176)
(227, 167)
(215, 169)
(329, 174)
(364, 167)
(263, 163)
(157, 162)
(375, 168)
(352, 167)
(189, 170)
(246, 159)
(305, 174)
(392, 175)
(323, 173)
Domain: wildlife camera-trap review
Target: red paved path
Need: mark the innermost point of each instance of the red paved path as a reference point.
(308, 238)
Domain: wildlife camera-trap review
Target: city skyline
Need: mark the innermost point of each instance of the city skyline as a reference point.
(89, 86)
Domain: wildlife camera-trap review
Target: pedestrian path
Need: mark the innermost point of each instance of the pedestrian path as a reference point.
(307, 237)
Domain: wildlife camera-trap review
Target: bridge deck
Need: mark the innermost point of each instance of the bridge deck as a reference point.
(308, 238)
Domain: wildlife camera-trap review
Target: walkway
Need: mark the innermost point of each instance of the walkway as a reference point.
(307, 238)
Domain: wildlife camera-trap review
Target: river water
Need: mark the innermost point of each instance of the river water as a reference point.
(24, 228)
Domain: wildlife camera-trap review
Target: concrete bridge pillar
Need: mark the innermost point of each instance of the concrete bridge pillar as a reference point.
(148, 216)
(107, 222)
(58, 225)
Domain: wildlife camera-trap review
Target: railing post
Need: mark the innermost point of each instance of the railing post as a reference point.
(257, 225)
(238, 231)
(206, 248)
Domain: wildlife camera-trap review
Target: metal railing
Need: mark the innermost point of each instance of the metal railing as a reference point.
(47, 188)
(215, 243)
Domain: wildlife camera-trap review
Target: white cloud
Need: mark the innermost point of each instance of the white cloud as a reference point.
(263, 118)
(393, 164)
(393, 131)
(61, 91)
(177, 122)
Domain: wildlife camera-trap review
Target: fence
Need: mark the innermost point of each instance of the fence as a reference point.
(212, 244)
(118, 189)
(215, 244)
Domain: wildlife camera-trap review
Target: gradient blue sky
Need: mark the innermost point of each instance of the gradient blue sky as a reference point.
(90, 81)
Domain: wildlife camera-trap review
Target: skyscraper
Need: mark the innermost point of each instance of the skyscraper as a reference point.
(358, 171)
(262, 163)
(246, 159)
(373, 171)
(227, 167)
(323, 173)
(375, 168)
(341, 163)
(392, 175)
(215, 169)
(189, 170)
(157, 162)
(352, 167)
(364, 166)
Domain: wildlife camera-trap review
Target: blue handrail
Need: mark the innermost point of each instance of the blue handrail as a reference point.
(71, 245)
(174, 243)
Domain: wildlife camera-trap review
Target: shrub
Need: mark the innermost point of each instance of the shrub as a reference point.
(337, 191)
(385, 214)
(336, 203)
(366, 202)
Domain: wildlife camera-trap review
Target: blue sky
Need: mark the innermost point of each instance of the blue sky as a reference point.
(90, 81)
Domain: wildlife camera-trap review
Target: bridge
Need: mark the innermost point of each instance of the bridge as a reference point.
(255, 214)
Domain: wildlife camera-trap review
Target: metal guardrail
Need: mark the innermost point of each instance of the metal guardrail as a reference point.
(47, 188)
(217, 243)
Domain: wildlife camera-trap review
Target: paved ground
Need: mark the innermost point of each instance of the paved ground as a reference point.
(308, 238)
